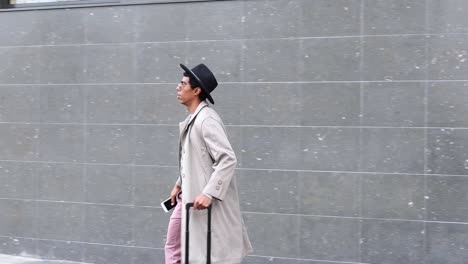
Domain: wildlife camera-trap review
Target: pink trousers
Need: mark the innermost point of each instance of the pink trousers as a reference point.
(173, 247)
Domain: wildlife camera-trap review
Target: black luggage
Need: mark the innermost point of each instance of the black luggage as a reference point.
(187, 233)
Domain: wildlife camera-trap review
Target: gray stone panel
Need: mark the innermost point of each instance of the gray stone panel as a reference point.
(446, 243)
(447, 151)
(393, 196)
(59, 250)
(62, 104)
(16, 246)
(293, 148)
(303, 236)
(157, 23)
(447, 198)
(159, 62)
(110, 184)
(22, 31)
(19, 104)
(17, 218)
(19, 142)
(448, 57)
(19, 180)
(62, 143)
(60, 182)
(114, 144)
(109, 24)
(390, 242)
(222, 57)
(448, 16)
(290, 192)
(394, 104)
(107, 104)
(329, 239)
(157, 104)
(272, 19)
(264, 104)
(255, 186)
(393, 150)
(273, 260)
(382, 17)
(20, 65)
(112, 63)
(447, 104)
(295, 60)
(280, 56)
(64, 27)
(153, 184)
(301, 18)
(205, 21)
(300, 104)
(229, 102)
(108, 224)
(157, 145)
(339, 59)
(394, 58)
(60, 221)
(320, 18)
(102, 254)
(147, 255)
(327, 104)
(150, 227)
(61, 64)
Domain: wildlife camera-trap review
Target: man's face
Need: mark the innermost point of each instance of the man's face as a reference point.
(185, 94)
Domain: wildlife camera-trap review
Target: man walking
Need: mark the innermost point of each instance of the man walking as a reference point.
(207, 177)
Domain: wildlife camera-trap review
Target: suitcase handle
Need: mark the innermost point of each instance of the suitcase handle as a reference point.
(208, 235)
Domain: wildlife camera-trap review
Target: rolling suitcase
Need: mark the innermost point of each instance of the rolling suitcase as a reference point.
(187, 233)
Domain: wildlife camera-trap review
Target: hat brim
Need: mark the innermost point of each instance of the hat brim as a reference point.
(187, 70)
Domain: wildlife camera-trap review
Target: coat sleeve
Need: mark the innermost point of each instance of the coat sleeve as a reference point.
(178, 182)
(219, 148)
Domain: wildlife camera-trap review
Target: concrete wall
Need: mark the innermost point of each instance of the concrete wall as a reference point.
(348, 118)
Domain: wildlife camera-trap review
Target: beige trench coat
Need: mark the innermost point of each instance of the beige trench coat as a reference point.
(207, 165)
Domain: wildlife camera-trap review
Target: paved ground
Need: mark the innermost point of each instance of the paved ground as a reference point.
(8, 259)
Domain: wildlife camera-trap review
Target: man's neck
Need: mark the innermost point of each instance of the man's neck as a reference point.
(193, 106)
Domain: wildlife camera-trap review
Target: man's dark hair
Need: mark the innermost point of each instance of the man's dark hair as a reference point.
(194, 84)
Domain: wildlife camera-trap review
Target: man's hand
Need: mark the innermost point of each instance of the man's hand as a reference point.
(201, 202)
(174, 193)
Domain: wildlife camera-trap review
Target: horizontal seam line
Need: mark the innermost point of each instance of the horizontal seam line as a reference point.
(235, 40)
(76, 202)
(239, 168)
(229, 125)
(357, 218)
(321, 260)
(244, 82)
(79, 242)
(247, 212)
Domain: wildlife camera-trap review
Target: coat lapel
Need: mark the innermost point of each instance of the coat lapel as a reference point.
(186, 123)
(183, 125)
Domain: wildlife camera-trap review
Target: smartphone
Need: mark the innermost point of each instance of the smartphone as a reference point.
(167, 206)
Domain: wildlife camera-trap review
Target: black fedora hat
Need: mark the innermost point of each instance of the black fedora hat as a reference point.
(204, 77)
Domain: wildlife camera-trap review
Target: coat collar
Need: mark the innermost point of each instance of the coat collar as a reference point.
(185, 124)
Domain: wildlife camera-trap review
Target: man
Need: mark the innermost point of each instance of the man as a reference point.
(207, 166)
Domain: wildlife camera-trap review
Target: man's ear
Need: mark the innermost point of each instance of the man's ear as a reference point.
(197, 91)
